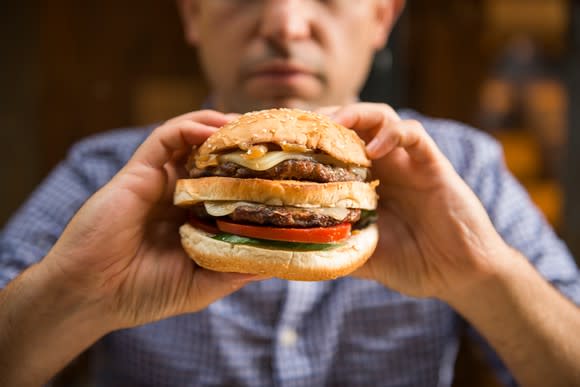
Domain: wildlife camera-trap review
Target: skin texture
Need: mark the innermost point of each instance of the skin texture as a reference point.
(118, 263)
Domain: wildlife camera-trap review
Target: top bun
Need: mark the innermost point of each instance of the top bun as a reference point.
(288, 126)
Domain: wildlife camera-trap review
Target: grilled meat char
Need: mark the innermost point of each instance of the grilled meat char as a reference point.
(302, 170)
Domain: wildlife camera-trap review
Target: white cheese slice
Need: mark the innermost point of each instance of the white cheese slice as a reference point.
(273, 158)
(223, 208)
(265, 162)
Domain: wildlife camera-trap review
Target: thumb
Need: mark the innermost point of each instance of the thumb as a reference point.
(363, 272)
(208, 286)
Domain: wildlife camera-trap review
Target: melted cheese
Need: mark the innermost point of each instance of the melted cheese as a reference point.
(273, 158)
(265, 162)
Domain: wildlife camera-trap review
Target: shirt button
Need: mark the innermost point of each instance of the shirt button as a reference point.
(288, 337)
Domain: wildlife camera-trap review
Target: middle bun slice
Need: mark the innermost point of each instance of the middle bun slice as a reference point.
(347, 194)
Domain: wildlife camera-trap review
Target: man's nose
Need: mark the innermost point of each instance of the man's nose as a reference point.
(286, 20)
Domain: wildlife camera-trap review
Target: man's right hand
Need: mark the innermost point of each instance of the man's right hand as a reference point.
(122, 249)
(119, 263)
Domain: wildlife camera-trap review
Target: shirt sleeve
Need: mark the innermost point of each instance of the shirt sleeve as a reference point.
(36, 226)
(523, 227)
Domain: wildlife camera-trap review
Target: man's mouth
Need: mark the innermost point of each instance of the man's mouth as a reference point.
(281, 72)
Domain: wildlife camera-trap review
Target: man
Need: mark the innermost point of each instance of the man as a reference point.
(444, 252)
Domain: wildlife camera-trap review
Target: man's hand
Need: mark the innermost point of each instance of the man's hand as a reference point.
(436, 240)
(122, 249)
(119, 263)
(435, 236)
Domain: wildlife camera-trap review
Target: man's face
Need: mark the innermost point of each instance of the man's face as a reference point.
(292, 53)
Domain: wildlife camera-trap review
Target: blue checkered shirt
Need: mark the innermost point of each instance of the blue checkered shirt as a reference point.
(345, 332)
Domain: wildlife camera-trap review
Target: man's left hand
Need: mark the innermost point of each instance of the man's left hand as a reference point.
(435, 236)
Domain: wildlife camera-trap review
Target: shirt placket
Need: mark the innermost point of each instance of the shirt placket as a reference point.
(292, 365)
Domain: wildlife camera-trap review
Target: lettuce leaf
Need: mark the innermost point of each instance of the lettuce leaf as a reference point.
(274, 245)
(367, 217)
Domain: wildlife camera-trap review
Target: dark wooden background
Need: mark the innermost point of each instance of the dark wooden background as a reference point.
(571, 231)
(73, 68)
(70, 69)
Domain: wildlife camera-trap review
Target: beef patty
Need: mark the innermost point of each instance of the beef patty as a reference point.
(304, 170)
(281, 216)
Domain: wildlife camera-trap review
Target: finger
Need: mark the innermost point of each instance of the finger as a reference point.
(179, 134)
(209, 286)
(328, 110)
(363, 272)
(207, 117)
(173, 171)
(365, 115)
(387, 132)
(233, 116)
(367, 119)
(167, 140)
(407, 134)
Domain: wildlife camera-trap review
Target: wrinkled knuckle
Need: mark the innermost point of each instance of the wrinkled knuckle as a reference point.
(415, 125)
(387, 111)
(160, 131)
(186, 123)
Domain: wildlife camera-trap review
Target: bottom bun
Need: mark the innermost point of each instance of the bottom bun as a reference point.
(291, 265)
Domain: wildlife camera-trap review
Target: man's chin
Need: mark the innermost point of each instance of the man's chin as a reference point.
(275, 102)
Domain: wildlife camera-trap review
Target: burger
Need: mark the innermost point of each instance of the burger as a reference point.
(280, 192)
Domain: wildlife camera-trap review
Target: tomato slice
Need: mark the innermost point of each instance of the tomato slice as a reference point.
(204, 226)
(305, 235)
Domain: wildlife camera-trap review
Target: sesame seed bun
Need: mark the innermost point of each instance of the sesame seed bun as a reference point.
(348, 194)
(288, 126)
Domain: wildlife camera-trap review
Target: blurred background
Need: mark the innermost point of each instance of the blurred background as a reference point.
(509, 67)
